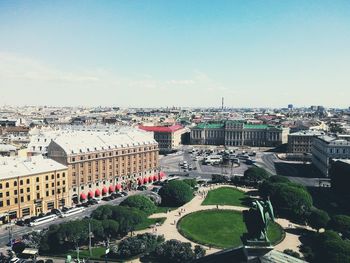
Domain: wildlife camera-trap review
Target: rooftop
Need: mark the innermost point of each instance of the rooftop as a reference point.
(11, 167)
(73, 142)
(210, 125)
(307, 133)
(172, 128)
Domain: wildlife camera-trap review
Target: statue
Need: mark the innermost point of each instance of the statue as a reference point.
(257, 220)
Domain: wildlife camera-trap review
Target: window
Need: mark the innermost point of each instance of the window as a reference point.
(15, 192)
(28, 197)
(22, 199)
(37, 179)
(16, 200)
(53, 192)
(7, 185)
(28, 181)
(37, 187)
(7, 193)
(46, 177)
(28, 190)
(52, 176)
(47, 193)
(50, 205)
(1, 204)
(8, 202)
(63, 174)
(21, 191)
(37, 196)
(15, 183)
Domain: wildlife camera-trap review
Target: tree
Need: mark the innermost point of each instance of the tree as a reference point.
(318, 218)
(176, 193)
(174, 251)
(190, 182)
(140, 244)
(341, 224)
(110, 227)
(140, 202)
(256, 174)
(103, 212)
(294, 201)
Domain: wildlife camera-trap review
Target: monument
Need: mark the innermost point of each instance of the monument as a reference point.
(256, 242)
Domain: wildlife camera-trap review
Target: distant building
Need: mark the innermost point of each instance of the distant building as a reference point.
(238, 133)
(301, 142)
(290, 106)
(30, 186)
(169, 138)
(324, 148)
(7, 150)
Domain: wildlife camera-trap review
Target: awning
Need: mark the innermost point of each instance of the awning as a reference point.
(162, 174)
(104, 190)
(97, 192)
(118, 187)
(140, 181)
(111, 188)
(91, 194)
(145, 180)
(151, 178)
(83, 196)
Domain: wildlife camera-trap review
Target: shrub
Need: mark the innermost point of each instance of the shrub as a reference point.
(176, 193)
(140, 202)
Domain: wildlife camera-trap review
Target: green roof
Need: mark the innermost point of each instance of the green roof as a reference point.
(210, 125)
(259, 126)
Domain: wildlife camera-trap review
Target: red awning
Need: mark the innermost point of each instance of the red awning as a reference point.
(161, 174)
(140, 181)
(111, 188)
(82, 196)
(118, 187)
(104, 190)
(91, 194)
(152, 178)
(145, 180)
(155, 177)
(97, 192)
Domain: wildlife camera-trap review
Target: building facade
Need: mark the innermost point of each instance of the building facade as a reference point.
(169, 138)
(301, 142)
(238, 133)
(101, 162)
(325, 148)
(30, 186)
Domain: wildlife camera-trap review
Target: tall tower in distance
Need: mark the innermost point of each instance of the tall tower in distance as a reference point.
(222, 103)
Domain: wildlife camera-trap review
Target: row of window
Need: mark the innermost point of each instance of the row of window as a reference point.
(114, 153)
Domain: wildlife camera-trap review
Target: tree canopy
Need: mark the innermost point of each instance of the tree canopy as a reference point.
(140, 202)
(176, 193)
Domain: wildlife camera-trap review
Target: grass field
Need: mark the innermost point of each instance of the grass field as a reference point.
(225, 196)
(148, 222)
(219, 228)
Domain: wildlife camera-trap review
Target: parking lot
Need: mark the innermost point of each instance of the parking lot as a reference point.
(171, 163)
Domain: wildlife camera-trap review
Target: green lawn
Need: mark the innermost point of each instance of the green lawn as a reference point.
(275, 233)
(148, 222)
(225, 196)
(218, 228)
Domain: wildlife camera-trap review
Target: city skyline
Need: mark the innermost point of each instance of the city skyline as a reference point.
(155, 53)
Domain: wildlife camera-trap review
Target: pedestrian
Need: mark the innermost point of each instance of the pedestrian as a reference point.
(217, 206)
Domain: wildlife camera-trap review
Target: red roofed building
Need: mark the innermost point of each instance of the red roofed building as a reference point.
(168, 137)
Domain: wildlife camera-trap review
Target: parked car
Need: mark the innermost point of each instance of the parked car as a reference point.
(142, 188)
(118, 194)
(106, 198)
(124, 193)
(20, 223)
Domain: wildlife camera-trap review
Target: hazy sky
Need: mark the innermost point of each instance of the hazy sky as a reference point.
(175, 53)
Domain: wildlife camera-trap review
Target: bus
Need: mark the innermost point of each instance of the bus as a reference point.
(43, 220)
(73, 211)
(213, 159)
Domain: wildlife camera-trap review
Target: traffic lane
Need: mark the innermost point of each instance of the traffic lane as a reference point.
(19, 231)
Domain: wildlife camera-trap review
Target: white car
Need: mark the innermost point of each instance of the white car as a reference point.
(14, 260)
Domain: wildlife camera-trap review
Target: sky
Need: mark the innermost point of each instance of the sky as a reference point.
(175, 53)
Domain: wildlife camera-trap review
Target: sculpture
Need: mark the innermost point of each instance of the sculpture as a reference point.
(257, 220)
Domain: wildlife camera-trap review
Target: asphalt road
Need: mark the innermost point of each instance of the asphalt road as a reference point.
(19, 231)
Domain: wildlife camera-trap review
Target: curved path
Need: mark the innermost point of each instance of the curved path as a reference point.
(170, 231)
